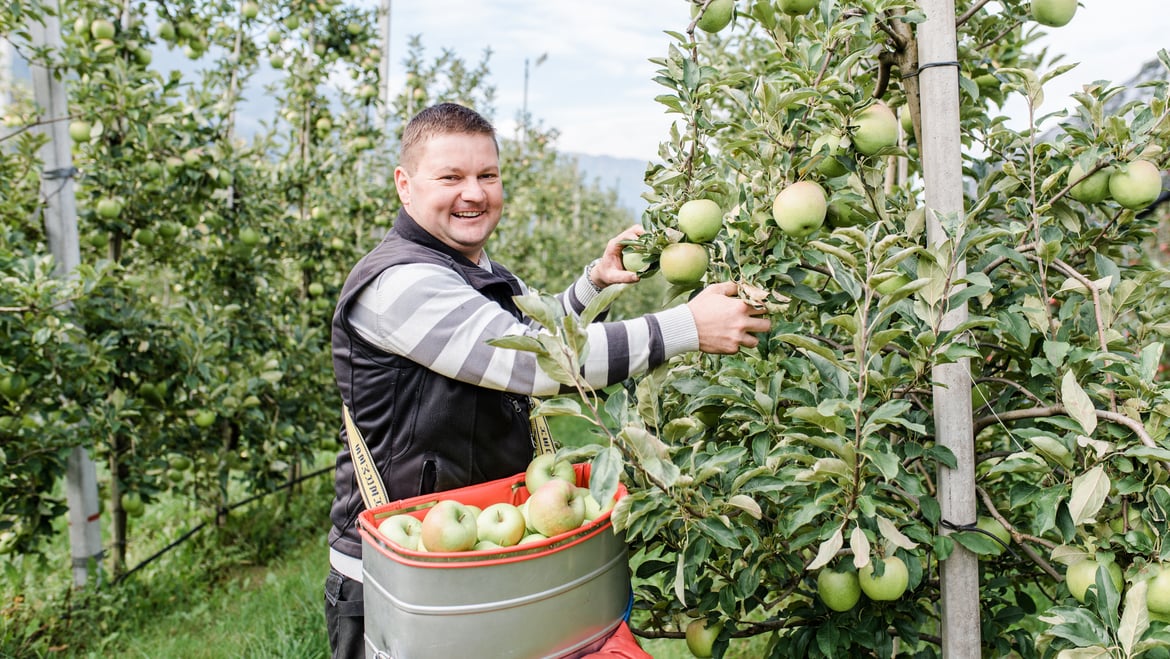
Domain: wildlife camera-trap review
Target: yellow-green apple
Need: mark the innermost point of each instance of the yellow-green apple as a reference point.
(501, 523)
(1136, 184)
(840, 591)
(701, 636)
(999, 531)
(1083, 573)
(532, 537)
(796, 7)
(1158, 593)
(634, 261)
(827, 147)
(700, 220)
(717, 16)
(556, 507)
(402, 529)
(1053, 13)
(683, 264)
(876, 129)
(1091, 190)
(800, 208)
(79, 130)
(109, 208)
(593, 509)
(100, 28)
(546, 467)
(449, 526)
(887, 587)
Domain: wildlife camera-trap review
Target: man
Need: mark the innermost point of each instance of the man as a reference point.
(438, 406)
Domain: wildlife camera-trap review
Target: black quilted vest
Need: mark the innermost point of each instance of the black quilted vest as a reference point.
(426, 432)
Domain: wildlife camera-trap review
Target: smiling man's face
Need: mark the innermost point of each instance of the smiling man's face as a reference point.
(454, 191)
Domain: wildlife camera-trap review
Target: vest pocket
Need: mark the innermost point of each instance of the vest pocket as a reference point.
(429, 476)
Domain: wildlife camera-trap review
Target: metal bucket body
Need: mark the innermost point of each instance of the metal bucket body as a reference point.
(548, 599)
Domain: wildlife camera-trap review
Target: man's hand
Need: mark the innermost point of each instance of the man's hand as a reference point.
(609, 269)
(724, 321)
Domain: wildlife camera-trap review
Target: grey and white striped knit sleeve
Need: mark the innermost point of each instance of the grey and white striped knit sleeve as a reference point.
(430, 315)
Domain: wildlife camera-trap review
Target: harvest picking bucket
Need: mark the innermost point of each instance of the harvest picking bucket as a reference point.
(551, 598)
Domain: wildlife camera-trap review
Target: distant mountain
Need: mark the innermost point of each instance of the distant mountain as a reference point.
(625, 175)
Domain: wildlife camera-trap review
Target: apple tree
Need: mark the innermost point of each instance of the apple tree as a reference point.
(752, 474)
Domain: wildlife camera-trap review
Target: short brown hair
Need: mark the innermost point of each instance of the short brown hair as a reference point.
(441, 119)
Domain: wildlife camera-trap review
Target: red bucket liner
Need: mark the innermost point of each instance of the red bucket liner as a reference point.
(507, 490)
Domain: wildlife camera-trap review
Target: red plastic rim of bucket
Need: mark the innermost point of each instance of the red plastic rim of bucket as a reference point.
(510, 490)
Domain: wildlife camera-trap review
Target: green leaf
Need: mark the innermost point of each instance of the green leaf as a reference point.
(518, 342)
(559, 406)
(605, 473)
(603, 301)
(812, 346)
(1077, 403)
(828, 550)
(544, 309)
(1089, 491)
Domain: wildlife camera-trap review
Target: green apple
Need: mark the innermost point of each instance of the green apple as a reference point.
(840, 591)
(1092, 190)
(532, 537)
(166, 31)
(555, 508)
(100, 28)
(593, 509)
(79, 131)
(204, 418)
(324, 124)
(143, 56)
(1135, 185)
(876, 127)
(449, 526)
(316, 289)
(683, 264)
(991, 525)
(132, 504)
(500, 523)
(145, 236)
(546, 467)
(890, 585)
(277, 61)
(402, 529)
(700, 219)
(701, 636)
(169, 229)
(635, 261)
(1053, 13)
(827, 147)
(249, 236)
(12, 385)
(717, 16)
(109, 208)
(274, 36)
(797, 7)
(1083, 573)
(250, 10)
(1158, 593)
(907, 120)
(800, 208)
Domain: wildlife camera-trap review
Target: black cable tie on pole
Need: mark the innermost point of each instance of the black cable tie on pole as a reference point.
(63, 172)
(931, 65)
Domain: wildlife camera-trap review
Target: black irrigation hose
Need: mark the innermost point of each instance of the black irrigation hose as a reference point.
(222, 510)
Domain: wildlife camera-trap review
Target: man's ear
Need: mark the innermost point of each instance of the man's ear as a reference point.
(402, 184)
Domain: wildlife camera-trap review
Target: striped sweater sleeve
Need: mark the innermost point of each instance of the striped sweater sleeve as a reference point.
(430, 315)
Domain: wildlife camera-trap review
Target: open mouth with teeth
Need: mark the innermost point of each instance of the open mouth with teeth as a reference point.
(468, 215)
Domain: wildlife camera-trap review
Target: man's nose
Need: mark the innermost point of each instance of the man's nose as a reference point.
(472, 190)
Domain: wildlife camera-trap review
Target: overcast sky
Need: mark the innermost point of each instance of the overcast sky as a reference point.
(596, 85)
